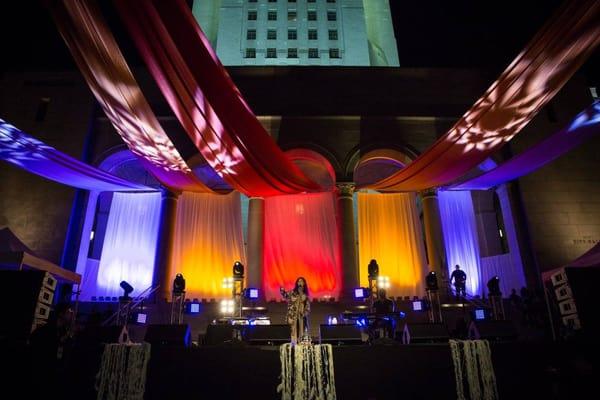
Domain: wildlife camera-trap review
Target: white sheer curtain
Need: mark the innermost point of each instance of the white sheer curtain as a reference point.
(129, 246)
(208, 240)
(511, 276)
(460, 236)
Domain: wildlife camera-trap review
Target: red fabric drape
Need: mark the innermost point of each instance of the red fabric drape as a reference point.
(102, 64)
(301, 239)
(530, 81)
(206, 101)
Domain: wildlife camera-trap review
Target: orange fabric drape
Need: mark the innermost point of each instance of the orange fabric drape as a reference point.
(530, 81)
(389, 231)
(107, 74)
(208, 240)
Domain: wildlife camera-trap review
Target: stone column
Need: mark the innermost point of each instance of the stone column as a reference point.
(256, 225)
(530, 265)
(164, 245)
(434, 238)
(350, 270)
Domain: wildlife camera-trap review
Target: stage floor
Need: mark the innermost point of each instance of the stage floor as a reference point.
(525, 370)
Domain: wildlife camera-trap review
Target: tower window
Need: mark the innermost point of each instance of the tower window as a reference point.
(292, 34)
(272, 16)
(271, 52)
(271, 34)
(252, 15)
(292, 16)
(251, 34)
(312, 34)
(292, 53)
(251, 53)
(333, 34)
(334, 53)
(312, 15)
(331, 16)
(313, 53)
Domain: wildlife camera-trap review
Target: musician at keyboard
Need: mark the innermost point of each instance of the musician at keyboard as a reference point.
(382, 307)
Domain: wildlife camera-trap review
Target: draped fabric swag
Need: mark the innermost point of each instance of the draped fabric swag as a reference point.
(460, 236)
(107, 74)
(208, 240)
(129, 249)
(389, 230)
(206, 101)
(23, 151)
(583, 127)
(301, 239)
(529, 82)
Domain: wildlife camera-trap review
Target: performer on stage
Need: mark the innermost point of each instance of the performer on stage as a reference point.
(298, 308)
(382, 307)
(460, 280)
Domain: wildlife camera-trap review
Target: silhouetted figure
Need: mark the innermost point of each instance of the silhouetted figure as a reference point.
(459, 278)
(382, 307)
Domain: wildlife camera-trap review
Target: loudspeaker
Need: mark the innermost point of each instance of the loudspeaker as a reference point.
(105, 334)
(267, 334)
(221, 334)
(425, 333)
(168, 335)
(344, 333)
(25, 302)
(492, 330)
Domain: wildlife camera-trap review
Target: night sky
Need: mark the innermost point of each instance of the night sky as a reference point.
(430, 33)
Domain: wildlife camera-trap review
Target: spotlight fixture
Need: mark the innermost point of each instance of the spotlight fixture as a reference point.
(431, 281)
(238, 270)
(127, 289)
(227, 307)
(361, 293)
(417, 305)
(383, 282)
(373, 269)
(178, 284)
(251, 293)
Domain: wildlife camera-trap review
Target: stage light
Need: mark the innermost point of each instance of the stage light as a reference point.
(383, 282)
(178, 284)
(227, 306)
(361, 293)
(431, 281)
(331, 320)
(479, 314)
(494, 286)
(227, 283)
(361, 322)
(251, 293)
(127, 289)
(238, 270)
(373, 269)
(194, 308)
(417, 305)
(141, 318)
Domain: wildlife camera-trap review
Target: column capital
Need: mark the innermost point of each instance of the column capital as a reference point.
(167, 193)
(255, 198)
(345, 189)
(431, 192)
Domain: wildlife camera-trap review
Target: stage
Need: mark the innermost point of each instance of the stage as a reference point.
(529, 370)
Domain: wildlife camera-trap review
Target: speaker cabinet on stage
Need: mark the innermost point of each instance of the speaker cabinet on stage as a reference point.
(344, 333)
(168, 335)
(267, 334)
(217, 334)
(425, 333)
(25, 302)
(492, 330)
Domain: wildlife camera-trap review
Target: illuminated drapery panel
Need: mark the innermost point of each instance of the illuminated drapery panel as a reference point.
(583, 127)
(206, 101)
(22, 150)
(107, 74)
(129, 246)
(301, 239)
(529, 82)
(460, 236)
(389, 231)
(208, 240)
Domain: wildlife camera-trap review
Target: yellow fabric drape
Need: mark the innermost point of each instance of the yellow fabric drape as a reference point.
(389, 231)
(208, 240)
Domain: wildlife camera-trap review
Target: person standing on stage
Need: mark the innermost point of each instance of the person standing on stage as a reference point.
(298, 308)
(460, 280)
